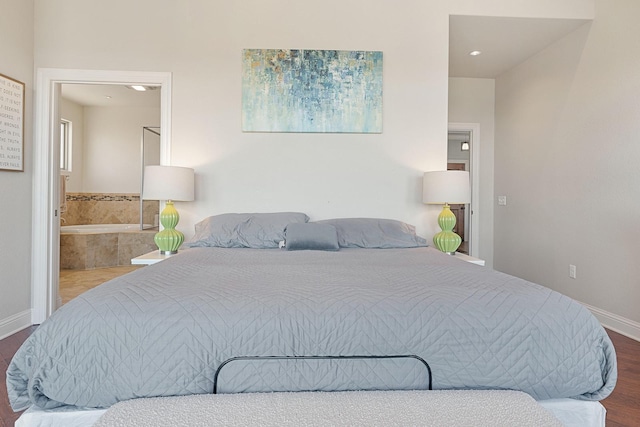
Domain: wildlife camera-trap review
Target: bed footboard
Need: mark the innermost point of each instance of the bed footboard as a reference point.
(292, 373)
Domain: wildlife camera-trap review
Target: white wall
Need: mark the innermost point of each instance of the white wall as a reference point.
(473, 101)
(567, 152)
(112, 154)
(106, 146)
(200, 42)
(324, 175)
(16, 61)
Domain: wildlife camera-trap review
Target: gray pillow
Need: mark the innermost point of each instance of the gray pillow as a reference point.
(244, 230)
(375, 233)
(311, 236)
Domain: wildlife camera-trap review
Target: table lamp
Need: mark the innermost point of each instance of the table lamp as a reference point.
(444, 187)
(170, 183)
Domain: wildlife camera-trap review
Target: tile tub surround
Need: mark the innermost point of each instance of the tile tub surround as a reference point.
(108, 208)
(87, 251)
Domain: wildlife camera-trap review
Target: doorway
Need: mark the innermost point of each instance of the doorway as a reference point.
(463, 154)
(102, 152)
(46, 192)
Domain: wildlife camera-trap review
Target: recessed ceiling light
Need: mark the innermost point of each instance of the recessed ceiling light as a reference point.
(475, 53)
(142, 88)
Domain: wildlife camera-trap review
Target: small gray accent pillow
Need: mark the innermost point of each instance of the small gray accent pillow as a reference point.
(244, 230)
(375, 233)
(311, 236)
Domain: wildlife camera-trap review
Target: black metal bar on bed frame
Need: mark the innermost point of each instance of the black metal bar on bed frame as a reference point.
(233, 359)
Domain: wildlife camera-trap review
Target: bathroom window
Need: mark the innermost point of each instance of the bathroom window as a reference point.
(65, 145)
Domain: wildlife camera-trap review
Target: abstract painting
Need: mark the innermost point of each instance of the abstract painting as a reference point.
(311, 91)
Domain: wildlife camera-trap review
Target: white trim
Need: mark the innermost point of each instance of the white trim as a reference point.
(45, 226)
(619, 324)
(15, 323)
(474, 130)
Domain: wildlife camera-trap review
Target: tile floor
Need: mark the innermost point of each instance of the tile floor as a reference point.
(75, 282)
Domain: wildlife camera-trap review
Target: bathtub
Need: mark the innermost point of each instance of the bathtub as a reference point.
(100, 228)
(85, 247)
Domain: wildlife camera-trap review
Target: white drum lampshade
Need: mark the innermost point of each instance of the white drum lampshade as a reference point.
(170, 183)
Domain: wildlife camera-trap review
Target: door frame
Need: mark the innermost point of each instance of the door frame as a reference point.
(45, 226)
(474, 166)
(467, 212)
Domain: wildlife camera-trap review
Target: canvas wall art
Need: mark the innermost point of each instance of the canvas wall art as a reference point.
(311, 91)
(11, 124)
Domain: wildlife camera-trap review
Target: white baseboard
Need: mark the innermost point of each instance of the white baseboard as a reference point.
(15, 323)
(616, 323)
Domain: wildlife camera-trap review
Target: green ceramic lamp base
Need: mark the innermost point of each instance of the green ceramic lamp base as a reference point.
(169, 239)
(447, 241)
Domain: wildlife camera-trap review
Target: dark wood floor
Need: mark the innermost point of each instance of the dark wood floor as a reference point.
(623, 406)
(8, 347)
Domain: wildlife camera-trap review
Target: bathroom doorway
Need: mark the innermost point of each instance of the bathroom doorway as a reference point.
(100, 183)
(46, 219)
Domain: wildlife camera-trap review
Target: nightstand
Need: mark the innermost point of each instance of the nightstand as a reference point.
(150, 258)
(470, 259)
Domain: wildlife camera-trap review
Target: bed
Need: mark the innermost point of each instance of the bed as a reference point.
(355, 304)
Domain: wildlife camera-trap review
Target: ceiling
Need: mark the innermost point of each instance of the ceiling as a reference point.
(504, 42)
(99, 95)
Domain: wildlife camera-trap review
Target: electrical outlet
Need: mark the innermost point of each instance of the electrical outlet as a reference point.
(502, 200)
(572, 271)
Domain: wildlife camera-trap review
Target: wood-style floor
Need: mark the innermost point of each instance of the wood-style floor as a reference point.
(8, 347)
(623, 406)
(75, 282)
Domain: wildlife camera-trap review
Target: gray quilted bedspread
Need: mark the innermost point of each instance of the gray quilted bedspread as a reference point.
(164, 330)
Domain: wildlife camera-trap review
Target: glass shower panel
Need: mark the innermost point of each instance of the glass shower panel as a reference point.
(150, 156)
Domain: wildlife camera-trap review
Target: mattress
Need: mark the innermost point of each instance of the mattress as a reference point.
(165, 330)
